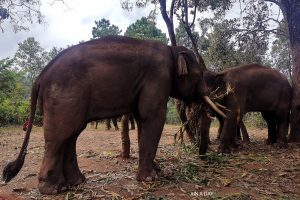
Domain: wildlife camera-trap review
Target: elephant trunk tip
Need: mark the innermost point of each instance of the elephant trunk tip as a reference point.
(12, 169)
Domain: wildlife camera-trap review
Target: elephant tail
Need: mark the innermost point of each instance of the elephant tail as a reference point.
(13, 168)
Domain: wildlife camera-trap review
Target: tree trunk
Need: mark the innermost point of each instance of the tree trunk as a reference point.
(291, 12)
(168, 19)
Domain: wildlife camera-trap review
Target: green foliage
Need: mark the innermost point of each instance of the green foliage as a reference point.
(18, 12)
(214, 160)
(251, 32)
(281, 57)
(145, 29)
(13, 111)
(183, 39)
(233, 41)
(7, 77)
(218, 6)
(13, 103)
(189, 171)
(31, 58)
(172, 115)
(54, 52)
(221, 51)
(255, 119)
(104, 28)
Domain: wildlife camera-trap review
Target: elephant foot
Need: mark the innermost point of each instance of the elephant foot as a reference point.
(125, 151)
(203, 149)
(282, 144)
(147, 175)
(292, 138)
(246, 141)
(116, 129)
(236, 144)
(51, 188)
(269, 142)
(125, 155)
(156, 167)
(225, 149)
(76, 179)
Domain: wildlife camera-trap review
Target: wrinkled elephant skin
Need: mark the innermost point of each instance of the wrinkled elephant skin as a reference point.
(105, 78)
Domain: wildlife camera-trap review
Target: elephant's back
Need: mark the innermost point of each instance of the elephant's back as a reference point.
(256, 83)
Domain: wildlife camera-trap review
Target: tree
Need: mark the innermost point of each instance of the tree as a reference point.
(13, 106)
(31, 58)
(291, 13)
(145, 29)
(281, 57)
(19, 12)
(183, 39)
(220, 52)
(261, 27)
(54, 52)
(6, 77)
(104, 28)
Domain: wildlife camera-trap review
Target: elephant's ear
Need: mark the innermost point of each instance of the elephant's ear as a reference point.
(182, 65)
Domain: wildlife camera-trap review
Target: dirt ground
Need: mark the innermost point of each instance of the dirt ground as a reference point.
(257, 171)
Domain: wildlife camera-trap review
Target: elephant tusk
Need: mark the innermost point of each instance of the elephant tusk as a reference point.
(213, 106)
(221, 106)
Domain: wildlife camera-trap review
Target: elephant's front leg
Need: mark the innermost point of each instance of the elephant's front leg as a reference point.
(149, 136)
(204, 131)
(228, 134)
(71, 170)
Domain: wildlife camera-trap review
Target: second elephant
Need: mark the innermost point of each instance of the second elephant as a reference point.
(252, 88)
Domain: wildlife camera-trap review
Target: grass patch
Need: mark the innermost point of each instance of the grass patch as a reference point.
(213, 159)
(189, 171)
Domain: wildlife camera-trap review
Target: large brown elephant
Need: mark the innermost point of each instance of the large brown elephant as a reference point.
(105, 78)
(251, 88)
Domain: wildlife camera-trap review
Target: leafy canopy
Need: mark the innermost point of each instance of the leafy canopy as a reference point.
(31, 58)
(146, 29)
(104, 28)
(19, 13)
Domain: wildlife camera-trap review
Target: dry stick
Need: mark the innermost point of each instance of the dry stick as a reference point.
(192, 120)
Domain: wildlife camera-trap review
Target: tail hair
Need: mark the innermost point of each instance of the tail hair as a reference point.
(13, 168)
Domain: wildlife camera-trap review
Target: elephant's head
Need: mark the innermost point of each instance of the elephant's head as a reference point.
(189, 84)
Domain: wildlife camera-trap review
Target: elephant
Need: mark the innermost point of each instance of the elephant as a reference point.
(105, 78)
(251, 88)
(242, 133)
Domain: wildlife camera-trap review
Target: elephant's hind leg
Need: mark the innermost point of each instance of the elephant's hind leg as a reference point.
(71, 170)
(51, 178)
(60, 132)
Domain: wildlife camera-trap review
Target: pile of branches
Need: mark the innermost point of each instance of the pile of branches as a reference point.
(196, 112)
